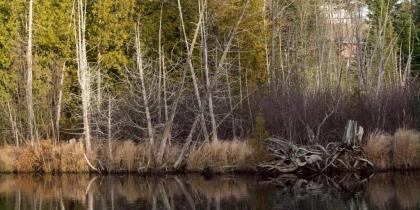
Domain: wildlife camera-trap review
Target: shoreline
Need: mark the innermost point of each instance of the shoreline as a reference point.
(378, 153)
(209, 173)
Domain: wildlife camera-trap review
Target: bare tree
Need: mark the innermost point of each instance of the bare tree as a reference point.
(13, 125)
(193, 76)
(206, 70)
(139, 61)
(274, 31)
(169, 122)
(109, 125)
(186, 146)
(33, 135)
(160, 65)
(58, 105)
(83, 71)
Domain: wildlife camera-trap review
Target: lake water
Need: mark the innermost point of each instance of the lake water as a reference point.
(349, 191)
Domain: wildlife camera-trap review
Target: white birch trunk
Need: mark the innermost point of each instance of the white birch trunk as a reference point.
(160, 66)
(206, 70)
(13, 125)
(58, 105)
(83, 71)
(193, 76)
(143, 85)
(165, 95)
(29, 99)
(109, 128)
(169, 122)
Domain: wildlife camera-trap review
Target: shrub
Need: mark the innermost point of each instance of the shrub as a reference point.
(378, 149)
(8, 159)
(405, 148)
(400, 151)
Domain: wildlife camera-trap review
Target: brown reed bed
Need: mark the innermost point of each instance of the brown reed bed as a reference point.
(399, 151)
(125, 156)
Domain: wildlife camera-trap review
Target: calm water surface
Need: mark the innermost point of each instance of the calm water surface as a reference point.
(379, 191)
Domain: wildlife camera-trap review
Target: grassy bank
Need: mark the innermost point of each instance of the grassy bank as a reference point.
(125, 156)
(399, 151)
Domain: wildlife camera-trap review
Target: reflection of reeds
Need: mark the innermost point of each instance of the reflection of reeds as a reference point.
(222, 188)
(386, 189)
(47, 187)
(129, 188)
(380, 190)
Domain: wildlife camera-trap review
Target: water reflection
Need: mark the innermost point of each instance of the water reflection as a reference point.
(349, 191)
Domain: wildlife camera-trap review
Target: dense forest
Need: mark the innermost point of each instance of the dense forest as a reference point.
(187, 72)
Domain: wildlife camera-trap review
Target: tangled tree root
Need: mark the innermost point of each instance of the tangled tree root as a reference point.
(345, 156)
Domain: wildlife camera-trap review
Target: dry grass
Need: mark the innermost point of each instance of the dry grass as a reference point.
(378, 150)
(8, 161)
(44, 157)
(127, 156)
(400, 151)
(220, 156)
(406, 146)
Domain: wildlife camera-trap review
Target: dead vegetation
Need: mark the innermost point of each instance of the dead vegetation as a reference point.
(221, 156)
(288, 157)
(380, 151)
(126, 156)
(398, 151)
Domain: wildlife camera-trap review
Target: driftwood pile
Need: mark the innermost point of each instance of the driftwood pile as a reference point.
(346, 155)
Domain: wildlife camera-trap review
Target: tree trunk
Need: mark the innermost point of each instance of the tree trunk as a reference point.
(169, 122)
(29, 99)
(193, 76)
(109, 128)
(160, 66)
(143, 85)
(187, 144)
(206, 70)
(58, 105)
(165, 94)
(83, 71)
(273, 44)
(13, 125)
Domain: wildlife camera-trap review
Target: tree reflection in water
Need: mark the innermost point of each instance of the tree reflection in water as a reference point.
(70, 191)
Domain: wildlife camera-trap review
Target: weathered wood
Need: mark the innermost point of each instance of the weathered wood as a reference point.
(347, 155)
(353, 133)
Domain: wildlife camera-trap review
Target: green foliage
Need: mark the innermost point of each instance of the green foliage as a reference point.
(8, 40)
(110, 37)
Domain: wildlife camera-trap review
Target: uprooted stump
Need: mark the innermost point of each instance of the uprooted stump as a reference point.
(346, 155)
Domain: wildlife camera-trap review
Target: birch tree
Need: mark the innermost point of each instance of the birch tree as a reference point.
(139, 61)
(83, 71)
(29, 99)
(193, 76)
(206, 70)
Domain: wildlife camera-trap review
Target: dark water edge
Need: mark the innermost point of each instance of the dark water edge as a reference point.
(396, 190)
